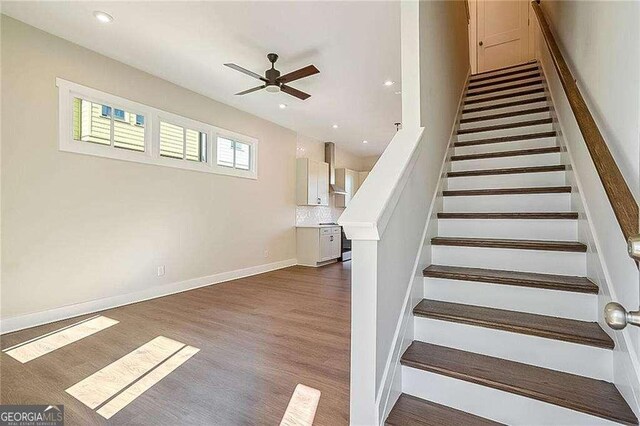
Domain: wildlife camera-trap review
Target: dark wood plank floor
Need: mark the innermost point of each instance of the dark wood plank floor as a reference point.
(258, 337)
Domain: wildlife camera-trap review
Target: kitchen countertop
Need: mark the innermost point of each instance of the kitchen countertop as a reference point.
(315, 226)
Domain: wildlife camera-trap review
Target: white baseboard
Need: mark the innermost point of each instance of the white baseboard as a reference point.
(20, 322)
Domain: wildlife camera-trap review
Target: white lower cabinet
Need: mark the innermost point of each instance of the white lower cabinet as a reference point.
(317, 246)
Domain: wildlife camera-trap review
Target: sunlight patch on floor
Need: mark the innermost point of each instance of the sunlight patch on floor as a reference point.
(42, 345)
(302, 407)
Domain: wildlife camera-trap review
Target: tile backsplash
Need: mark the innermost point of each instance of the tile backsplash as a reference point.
(312, 215)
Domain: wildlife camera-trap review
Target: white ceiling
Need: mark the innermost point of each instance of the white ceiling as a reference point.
(355, 45)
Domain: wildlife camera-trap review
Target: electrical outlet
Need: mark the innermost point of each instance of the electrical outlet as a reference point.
(160, 270)
(266, 253)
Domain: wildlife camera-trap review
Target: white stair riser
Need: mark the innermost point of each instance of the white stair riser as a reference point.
(502, 110)
(506, 146)
(517, 180)
(489, 76)
(547, 353)
(504, 407)
(563, 304)
(509, 203)
(503, 79)
(497, 86)
(541, 261)
(513, 98)
(505, 120)
(550, 159)
(525, 130)
(500, 92)
(532, 229)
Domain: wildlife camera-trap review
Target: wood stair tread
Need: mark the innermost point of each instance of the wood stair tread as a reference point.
(484, 77)
(509, 215)
(501, 88)
(504, 96)
(508, 171)
(505, 115)
(506, 126)
(505, 105)
(513, 138)
(583, 394)
(500, 154)
(515, 278)
(567, 330)
(410, 410)
(531, 74)
(507, 191)
(545, 245)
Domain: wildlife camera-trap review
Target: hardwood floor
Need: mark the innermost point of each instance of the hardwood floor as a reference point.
(258, 338)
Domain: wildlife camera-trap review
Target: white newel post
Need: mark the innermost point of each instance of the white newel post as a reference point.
(363, 409)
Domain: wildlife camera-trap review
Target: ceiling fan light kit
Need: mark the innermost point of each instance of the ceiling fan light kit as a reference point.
(274, 82)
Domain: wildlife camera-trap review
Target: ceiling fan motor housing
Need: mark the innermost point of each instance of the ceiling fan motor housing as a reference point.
(272, 74)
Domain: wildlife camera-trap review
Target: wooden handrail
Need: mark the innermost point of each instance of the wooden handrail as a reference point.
(624, 205)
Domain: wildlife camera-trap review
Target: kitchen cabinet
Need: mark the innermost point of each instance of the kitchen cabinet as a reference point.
(312, 182)
(349, 180)
(361, 177)
(318, 245)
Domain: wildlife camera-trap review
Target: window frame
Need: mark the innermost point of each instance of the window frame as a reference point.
(185, 123)
(67, 91)
(236, 137)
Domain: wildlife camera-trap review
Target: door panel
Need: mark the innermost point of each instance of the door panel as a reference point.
(503, 36)
(312, 182)
(323, 183)
(326, 247)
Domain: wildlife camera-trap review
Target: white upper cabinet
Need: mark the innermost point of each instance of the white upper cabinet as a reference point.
(351, 181)
(312, 182)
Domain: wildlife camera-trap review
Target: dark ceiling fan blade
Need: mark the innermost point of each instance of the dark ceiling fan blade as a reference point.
(298, 74)
(294, 92)
(251, 90)
(246, 71)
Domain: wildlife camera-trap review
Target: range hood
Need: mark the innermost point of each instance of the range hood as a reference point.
(330, 157)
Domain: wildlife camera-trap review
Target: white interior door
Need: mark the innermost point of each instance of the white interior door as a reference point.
(503, 33)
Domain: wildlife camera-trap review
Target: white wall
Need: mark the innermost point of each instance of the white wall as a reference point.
(387, 219)
(600, 41)
(312, 148)
(608, 264)
(444, 67)
(78, 228)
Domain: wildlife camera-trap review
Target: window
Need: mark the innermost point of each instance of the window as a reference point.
(100, 124)
(92, 122)
(233, 153)
(182, 143)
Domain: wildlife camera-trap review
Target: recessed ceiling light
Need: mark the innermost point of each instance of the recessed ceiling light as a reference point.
(103, 17)
(365, 141)
(389, 83)
(335, 126)
(282, 106)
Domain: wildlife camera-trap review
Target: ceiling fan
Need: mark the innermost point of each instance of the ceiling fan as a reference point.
(274, 82)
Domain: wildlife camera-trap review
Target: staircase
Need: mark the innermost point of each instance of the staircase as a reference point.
(507, 333)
